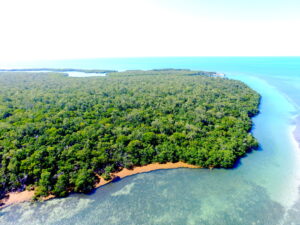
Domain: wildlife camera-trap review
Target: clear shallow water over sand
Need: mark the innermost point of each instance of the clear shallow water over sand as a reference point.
(263, 189)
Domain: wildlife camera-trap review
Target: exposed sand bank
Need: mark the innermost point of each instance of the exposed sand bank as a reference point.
(18, 197)
(143, 169)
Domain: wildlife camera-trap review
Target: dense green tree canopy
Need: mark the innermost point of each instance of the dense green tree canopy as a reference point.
(56, 132)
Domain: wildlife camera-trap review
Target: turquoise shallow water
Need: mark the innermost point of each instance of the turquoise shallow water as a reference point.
(262, 189)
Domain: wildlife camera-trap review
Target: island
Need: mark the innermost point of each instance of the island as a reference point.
(62, 70)
(60, 134)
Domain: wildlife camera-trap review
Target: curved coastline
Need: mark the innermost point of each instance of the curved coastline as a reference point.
(289, 112)
(25, 196)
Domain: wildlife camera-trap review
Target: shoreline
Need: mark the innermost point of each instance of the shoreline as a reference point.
(26, 196)
(143, 169)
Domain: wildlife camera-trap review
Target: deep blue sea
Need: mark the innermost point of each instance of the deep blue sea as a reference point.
(262, 189)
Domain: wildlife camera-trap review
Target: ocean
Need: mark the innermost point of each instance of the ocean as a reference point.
(262, 189)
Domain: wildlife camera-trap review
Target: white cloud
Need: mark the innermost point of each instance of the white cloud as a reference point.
(40, 29)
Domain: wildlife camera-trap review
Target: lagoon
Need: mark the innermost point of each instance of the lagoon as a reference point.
(262, 189)
(71, 73)
(82, 74)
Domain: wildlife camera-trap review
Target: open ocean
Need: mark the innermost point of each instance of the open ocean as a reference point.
(262, 189)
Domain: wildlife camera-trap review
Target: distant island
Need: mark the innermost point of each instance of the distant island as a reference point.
(60, 135)
(56, 70)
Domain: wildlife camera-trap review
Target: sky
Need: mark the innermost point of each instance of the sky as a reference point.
(69, 29)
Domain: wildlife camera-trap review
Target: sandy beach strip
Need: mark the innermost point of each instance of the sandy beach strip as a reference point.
(144, 169)
(24, 196)
(16, 197)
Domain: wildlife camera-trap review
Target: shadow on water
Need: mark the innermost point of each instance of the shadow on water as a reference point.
(115, 179)
(239, 162)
